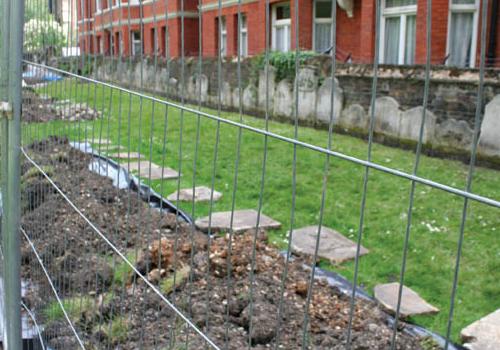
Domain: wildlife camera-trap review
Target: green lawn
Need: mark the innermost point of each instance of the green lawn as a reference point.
(436, 214)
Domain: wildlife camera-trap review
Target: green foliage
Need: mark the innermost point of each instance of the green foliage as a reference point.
(167, 285)
(41, 30)
(74, 307)
(284, 62)
(122, 270)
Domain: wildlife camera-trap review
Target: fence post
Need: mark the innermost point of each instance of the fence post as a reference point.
(11, 124)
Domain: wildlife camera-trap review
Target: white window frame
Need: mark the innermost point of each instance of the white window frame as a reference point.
(464, 8)
(281, 23)
(243, 50)
(98, 5)
(222, 23)
(321, 21)
(402, 12)
(134, 41)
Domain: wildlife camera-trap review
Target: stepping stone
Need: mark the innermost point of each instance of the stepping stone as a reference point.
(126, 155)
(201, 194)
(412, 304)
(332, 245)
(156, 170)
(483, 334)
(243, 220)
(96, 141)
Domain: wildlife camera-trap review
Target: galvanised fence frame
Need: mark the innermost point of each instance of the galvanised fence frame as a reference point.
(74, 78)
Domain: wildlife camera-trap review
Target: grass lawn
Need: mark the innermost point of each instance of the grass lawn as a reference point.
(436, 214)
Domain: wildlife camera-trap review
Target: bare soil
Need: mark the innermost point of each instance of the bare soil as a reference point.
(217, 286)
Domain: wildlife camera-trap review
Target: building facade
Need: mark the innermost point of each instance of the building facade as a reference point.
(114, 27)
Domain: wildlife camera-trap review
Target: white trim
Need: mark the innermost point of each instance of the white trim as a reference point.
(85, 20)
(226, 3)
(146, 20)
(464, 8)
(285, 23)
(402, 12)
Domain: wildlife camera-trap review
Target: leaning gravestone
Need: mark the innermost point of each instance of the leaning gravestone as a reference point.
(243, 220)
(483, 334)
(333, 246)
(412, 304)
(201, 194)
(489, 141)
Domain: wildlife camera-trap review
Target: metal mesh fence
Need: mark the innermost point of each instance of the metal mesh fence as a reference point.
(167, 220)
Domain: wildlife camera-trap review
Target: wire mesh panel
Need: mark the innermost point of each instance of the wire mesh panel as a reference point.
(178, 194)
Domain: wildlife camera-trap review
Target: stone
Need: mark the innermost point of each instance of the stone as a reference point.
(454, 134)
(201, 194)
(354, 117)
(126, 155)
(410, 125)
(283, 99)
(387, 116)
(483, 334)
(412, 304)
(198, 84)
(324, 101)
(250, 98)
(267, 88)
(157, 172)
(97, 141)
(306, 83)
(226, 94)
(243, 220)
(333, 245)
(489, 139)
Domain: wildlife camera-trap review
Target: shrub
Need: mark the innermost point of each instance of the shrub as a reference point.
(284, 62)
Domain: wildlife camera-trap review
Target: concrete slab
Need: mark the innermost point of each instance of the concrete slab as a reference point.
(126, 155)
(484, 334)
(412, 304)
(96, 141)
(201, 194)
(157, 173)
(333, 245)
(243, 220)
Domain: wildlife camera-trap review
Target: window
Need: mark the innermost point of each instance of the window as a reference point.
(154, 42)
(462, 33)
(243, 36)
(111, 42)
(223, 36)
(136, 43)
(164, 41)
(398, 32)
(281, 33)
(118, 40)
(323, 24)
(98, 5)
(100, 45)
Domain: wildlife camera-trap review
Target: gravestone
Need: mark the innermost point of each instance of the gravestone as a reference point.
(489, 141)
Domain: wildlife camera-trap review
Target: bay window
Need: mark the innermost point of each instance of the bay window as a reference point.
(462, 33)
(323, 24)
(281, 24)
(398, 31)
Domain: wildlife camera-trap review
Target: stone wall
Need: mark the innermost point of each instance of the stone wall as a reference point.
(449, 119)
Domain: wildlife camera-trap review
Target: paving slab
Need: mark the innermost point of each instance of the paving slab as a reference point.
(484, 334)
(201, 194)
(126, 155)
(97, 141)
(333, 245)
(157, 172)
(243, 220)
(412, 304)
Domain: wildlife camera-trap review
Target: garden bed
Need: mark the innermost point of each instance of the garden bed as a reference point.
(112, 307)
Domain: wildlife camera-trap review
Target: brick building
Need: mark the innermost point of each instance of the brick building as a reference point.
(112, 27)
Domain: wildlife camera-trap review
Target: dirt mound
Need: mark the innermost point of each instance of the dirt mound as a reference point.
(228, 289)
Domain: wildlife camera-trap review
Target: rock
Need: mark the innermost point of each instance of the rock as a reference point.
(201, 193)
(489, 141)
(263, 321)
(147, 170)
(483, 334)
(243, 220)
(455, 134)
(154, 276)
(411, 303)
(333, 245)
